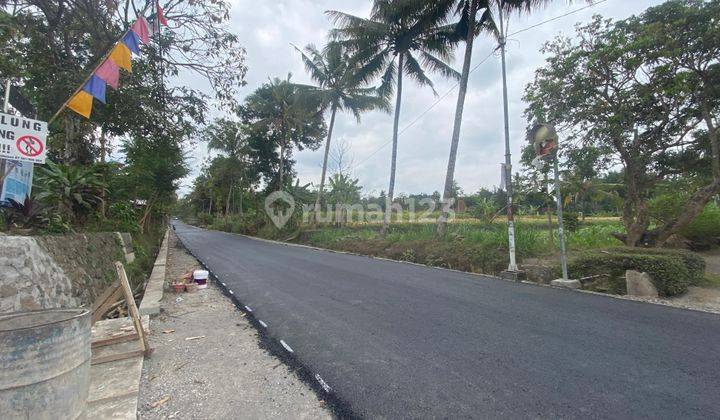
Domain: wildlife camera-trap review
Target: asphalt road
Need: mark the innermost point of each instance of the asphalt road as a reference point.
(395, 340)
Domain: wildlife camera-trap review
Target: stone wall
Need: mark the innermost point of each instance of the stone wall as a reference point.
(56, 271)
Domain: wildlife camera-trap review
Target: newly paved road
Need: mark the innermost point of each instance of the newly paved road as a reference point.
(400, 341)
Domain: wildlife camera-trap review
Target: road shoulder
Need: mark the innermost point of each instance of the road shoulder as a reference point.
(208, 361)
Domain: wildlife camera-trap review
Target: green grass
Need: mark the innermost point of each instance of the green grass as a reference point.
(531, 238)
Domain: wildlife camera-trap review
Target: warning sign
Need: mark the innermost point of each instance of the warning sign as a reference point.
(22, 139)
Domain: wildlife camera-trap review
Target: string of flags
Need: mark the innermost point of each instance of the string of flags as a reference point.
(107, 73)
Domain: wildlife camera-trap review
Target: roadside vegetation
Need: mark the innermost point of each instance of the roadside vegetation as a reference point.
(638, 165)
(636, 104)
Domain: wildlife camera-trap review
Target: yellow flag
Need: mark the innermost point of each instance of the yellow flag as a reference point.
(121, 56)
(81, 103)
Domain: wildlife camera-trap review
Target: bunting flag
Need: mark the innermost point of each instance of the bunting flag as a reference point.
(109, 72)
(161, 15)
(132, 41)
(96, 87)
(81, 103)
(140, 27)
(121, 56)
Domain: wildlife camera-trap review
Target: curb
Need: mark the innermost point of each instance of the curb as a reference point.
(154, 288)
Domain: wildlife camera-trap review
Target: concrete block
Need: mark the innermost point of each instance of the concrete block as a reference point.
(640, 284)
(570, 284)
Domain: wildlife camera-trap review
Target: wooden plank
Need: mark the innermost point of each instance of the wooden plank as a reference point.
(132, 308)
(108, 303)
(113, 340)
(116, 356)
(105, 295)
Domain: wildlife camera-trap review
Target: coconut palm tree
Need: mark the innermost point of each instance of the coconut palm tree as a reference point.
(490, 15)
(342, 85)
(401, 37)
(288, 112)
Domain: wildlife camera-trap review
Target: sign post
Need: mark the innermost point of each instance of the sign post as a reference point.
(545, 141)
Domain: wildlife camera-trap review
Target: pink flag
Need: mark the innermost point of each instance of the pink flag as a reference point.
(140, 27)
(109, 72)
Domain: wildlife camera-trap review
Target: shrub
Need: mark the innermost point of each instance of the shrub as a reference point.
(704, 231)
(571, 221)
(670, 275)
(205, 219)
(694, 263)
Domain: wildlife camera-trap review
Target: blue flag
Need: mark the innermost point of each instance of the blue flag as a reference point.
(132, 41)
(96, 87)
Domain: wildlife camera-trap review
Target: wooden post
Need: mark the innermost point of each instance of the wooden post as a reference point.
(132, 308)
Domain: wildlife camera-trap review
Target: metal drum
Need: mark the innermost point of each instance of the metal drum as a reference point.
(44, 364)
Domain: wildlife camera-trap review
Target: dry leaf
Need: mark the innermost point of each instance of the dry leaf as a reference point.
(194, 338)
(160, 402)
(168, 331)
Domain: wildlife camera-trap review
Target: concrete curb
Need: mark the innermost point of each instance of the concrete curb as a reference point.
(150, 304)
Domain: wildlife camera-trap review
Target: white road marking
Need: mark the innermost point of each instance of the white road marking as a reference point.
(231, 292)
(224, 284)
(262, 323)
(323, 384)
(247, 308)
(288, 348)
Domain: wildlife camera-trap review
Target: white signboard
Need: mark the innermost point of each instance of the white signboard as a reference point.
(22, 139)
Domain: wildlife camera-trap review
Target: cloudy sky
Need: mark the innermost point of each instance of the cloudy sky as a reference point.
(267, 28)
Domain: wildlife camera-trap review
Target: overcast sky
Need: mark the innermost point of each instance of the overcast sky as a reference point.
(267, 28)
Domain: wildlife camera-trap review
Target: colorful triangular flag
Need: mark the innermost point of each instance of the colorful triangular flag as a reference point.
(81, 103)
(109, 72)
(121, 56)
(132, 41)
(140, 27)
(96, 87)
(161, 15)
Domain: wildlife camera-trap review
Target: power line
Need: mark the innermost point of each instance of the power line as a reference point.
(593, 4)
(439, 99)
(422, 114)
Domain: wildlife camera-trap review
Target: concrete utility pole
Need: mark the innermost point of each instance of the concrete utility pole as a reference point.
(512, 270)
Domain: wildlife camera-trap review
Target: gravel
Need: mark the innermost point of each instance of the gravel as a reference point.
(222, 372)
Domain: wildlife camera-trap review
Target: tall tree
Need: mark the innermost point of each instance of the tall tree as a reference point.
(287, 115)
(230, 139)
(621, 90)
(466, 30)
(343, 86)
(389, 42)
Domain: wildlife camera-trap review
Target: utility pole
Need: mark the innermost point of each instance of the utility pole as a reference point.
(512, 270)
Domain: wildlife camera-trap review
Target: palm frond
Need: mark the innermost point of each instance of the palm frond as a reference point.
(438, 66)
(415, 70)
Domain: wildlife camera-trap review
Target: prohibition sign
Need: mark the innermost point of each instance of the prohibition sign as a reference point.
(29, 146)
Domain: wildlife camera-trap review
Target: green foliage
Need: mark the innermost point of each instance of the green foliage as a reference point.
(672, 271)
(704, 231)
(25, 215)
(73, 192)
(571, 221)
(589, 87)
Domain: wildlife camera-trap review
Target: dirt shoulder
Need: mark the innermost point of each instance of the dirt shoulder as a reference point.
(222, 374)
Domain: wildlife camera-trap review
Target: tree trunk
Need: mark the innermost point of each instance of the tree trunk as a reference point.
(636, 217)
(227, 201)
(393, 158)
(324, 167)
(692, 209)
(450, 175)
(714, 143)
(282, 167)
(103, 193)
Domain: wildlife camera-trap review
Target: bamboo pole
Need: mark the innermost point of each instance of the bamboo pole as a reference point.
(107, 54)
